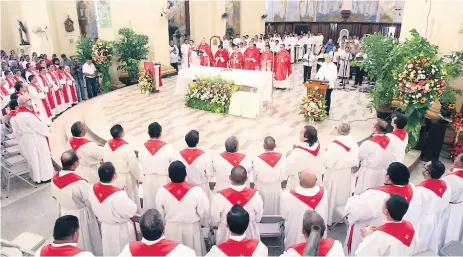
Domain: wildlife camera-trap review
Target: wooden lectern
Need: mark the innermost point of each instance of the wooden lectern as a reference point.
(319, 85)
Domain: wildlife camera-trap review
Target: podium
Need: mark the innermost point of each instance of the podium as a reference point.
(154, 68)
(319, 85)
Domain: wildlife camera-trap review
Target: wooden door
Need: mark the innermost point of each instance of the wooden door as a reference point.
(289, 28)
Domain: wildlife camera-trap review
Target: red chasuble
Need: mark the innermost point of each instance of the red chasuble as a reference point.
(44, 101)
(342, 145)
(404, 191)
(312, 152)
(266, 61)
(311, 201)
(77, 142)
(190, 154)
(271, 158)
(178, 190)
(161, 248)
(65, 180)
(221, 58)
(400, 133)
(323, 248)
(66, 250)
(209, 60)
(402, 231)
(282, 65)
(381, 140)
(72, 87)
(50, 91)
(236, 60)
(437, 186)
(116, 143)
(238, 197)
(153, 145)
(245, 247)
(233, 158)
(104, 191)
(251, 58)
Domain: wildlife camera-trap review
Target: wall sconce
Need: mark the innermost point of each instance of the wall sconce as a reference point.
(224, 15)
(345, 14)
(263, 16)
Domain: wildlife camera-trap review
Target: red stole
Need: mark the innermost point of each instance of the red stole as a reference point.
(64, 87)
(50, 91)
(233, 158)
(57, 92)
(271, 158)
(190, 155)
(236, 60)
(24, 109)
(404, 191)
(437, 186)
(323, 248)
(178, 190)
(161, 248)
(312, 152)
(245, 247)
(11, 114)
(10, 83)
(19, 79)
(65, 180)
(400, 133)
(77, 142)
(44, 101)
(104, 191)
(72, 87)
(116, 143)
(311, 201)
(154, 145)
(402, 231)
(381, 140)
(342, 145)
(282, 65)
(4, 91)
(66, 250)
(238, 197)
(458, 173)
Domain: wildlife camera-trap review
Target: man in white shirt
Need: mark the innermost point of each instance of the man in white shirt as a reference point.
(308, 60)
(185, 52)
(154, 242)
(225, 42)
(329, 72)
(398, 137)
(174, 58)
(237, 39)
(89, 71)
(238, 244)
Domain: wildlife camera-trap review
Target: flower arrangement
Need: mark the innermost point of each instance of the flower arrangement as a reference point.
(210, 94)
(313, 106)
(146, 82)
(102, 52)
(456, 150)
(448, 110)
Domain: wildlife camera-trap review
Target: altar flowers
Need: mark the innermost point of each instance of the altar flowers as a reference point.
(313, 106)
(102, 52)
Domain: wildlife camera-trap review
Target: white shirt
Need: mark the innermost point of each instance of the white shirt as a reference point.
(328, 72)
(226, 44)
(173, 57)
(236, 41)
(90, 69)
(310, 59)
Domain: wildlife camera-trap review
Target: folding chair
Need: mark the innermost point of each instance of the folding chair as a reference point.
(452, 248)
(14, 167)
(11, 142)
(12, 150)
(26, 244)
(273, 226)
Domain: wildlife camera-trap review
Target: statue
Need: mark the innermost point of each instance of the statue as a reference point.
(23, 34)
(69, 25)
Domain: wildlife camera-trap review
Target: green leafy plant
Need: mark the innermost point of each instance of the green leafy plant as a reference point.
(102, 52)
(229, 32)
(84, 46)
(132, 49)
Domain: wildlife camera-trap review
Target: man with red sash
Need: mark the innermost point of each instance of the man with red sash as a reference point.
(32, 135)
(396, 237)
(269, 171)
(57, 89)
(251, 58)
(13, 104)
(224, 162)
(339, 158)
(207, 59)
(198, 163)
(236, 58)
(398, 137)
(10, 80)
(29, 71)
(365, 209)
(266, 59)
(185, 209)
(154, 242)
(155, 157)
(4, 96)
(294, 203)
(70, 82)
(114, 209)
(47, 88)
(71, 192)
(307, 153)
(435, 193)
(221, 57)
(64, 86)
(282, 68)
(328, 247)
(375, 156)
(39, 100)
(238, 243)
(65, 238)
(237, 194)
(17, 76)
(90, 153)
(122, 156)
(21, 88)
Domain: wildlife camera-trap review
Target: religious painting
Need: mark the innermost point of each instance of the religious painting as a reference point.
(390, 11)
(364, 11)
(329, 10)
(87, 18)
(269, 10)
(307, 10)
(104, 14)
(292, 10)
(232, 8)
(279, 10)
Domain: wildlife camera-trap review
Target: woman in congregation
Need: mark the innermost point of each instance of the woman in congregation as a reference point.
(321, 57)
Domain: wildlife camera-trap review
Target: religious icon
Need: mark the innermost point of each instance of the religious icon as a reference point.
(22, 34)
(69, 25)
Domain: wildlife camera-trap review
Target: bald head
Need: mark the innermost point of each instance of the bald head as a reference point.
(381, 127)
(307, 179)
(312, 220)
(22, 100)
(231, 144)
(69, 160)
(239, 175)
(269, 143)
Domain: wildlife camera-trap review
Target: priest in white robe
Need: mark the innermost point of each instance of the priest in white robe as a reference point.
(395, 237)
(305, 154)
(237, 194)
(185, 208)
(184, 48)
(39, 100)
(154, 243)
(122, 156)
(435, 193)
(365, 209)
(238, 243)
(115, 210)
(155, 157)
(398, 137)
(32, 135)
(328, 72)
(269, 171)
(294, 203)
(198, 163)
(339, 158)
(224, 162)
(72, 191)
(90, 153)
(328, 247)
(375, 155)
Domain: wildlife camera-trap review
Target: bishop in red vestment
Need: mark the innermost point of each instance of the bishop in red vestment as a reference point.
(236, 58)
(207, 59)
(266, 59)
(282, 68)
(221, 57)
(251, 58)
